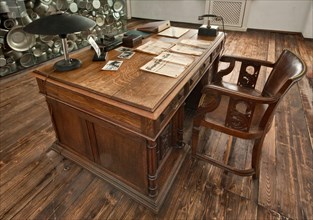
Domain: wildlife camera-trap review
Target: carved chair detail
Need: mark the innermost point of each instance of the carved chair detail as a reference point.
(240, 110)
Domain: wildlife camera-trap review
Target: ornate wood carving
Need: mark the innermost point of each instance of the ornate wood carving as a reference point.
(248, 75)
(239, 114)
(164, 142)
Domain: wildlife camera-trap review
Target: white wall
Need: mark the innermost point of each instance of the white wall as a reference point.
(281, 15)
(174, 10)
(308, 25)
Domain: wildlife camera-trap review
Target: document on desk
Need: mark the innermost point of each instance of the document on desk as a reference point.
(155, 47)
(191, 46)
(175, 32)
(196, 43)
(187, 49)
(176, 58)
(168, 64)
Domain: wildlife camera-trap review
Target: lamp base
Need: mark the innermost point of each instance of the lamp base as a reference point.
(64, 65)
(205, 30)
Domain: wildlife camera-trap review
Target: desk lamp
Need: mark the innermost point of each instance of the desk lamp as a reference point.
(206, 29)
(61, 24)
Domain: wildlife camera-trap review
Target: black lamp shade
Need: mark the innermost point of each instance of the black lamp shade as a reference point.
(59, 24)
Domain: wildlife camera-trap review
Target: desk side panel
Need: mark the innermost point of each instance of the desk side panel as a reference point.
(115, 151)
(70, 129)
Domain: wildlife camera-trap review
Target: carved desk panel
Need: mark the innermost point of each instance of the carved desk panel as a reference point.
(125, 126)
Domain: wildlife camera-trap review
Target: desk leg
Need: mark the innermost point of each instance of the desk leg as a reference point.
(180, 127)
(152, 168)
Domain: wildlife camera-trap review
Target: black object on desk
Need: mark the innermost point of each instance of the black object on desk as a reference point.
(109, 43)
(102, 56)
(132, 40)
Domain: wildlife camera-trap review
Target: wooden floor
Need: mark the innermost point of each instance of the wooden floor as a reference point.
(37, 183)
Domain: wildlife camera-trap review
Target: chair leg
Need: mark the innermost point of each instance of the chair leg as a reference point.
(255, 190)
(256, 156)
(228, 151)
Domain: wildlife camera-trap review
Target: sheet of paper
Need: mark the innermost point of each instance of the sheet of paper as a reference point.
(174, 32)
(196, 43)
(187, 49)
(164, 68)
(94, 46)
(182, 59)
(155, 47)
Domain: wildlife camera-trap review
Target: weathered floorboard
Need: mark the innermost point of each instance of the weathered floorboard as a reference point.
(37, 183)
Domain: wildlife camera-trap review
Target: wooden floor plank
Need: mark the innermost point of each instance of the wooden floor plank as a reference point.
(13, 164)
(267, 195)
(40, 173)
(301, 156)
(38, 184)
(288, 127)
(89, 202)
(44, 193)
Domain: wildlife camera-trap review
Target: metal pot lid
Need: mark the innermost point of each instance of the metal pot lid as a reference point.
(100, 20)
(96, 4)
(110, 3)
(9, 23)
(19, 40)
(47, 2)
(3, 61)
(27, 60)
(106, 8)
(116, 15)
(73, 7)
(118, 6)
(5, 70)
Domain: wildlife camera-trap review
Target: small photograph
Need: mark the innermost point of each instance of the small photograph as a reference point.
(113, 65)
(126, 55)
(123, 49)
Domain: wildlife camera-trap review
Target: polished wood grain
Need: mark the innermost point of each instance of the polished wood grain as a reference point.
(37, 183)
(130, 134)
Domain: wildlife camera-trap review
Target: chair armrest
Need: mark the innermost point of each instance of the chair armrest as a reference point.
(228, 58)
(235, 91)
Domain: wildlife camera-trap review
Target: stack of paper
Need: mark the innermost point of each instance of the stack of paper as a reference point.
(191, 46)
(168, 64)
(155, 47)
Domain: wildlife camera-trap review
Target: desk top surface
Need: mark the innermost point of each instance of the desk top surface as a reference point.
(129, 85)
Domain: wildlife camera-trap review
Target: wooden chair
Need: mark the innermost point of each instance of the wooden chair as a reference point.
(240, 110)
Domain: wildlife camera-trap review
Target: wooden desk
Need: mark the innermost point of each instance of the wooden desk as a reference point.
(125, 126)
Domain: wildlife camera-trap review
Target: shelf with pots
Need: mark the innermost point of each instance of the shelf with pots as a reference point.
(20, 50)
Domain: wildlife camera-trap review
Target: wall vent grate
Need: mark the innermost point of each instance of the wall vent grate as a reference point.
(231, 11)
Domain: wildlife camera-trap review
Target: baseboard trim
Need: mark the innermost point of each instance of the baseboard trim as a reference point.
(276, 31)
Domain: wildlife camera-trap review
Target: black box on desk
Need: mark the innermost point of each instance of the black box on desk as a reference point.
(205, 30)
(132, 40)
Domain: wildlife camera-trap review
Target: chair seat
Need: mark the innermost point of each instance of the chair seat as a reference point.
(216, 118)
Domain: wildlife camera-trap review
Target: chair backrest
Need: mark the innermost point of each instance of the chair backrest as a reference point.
(288, 69)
